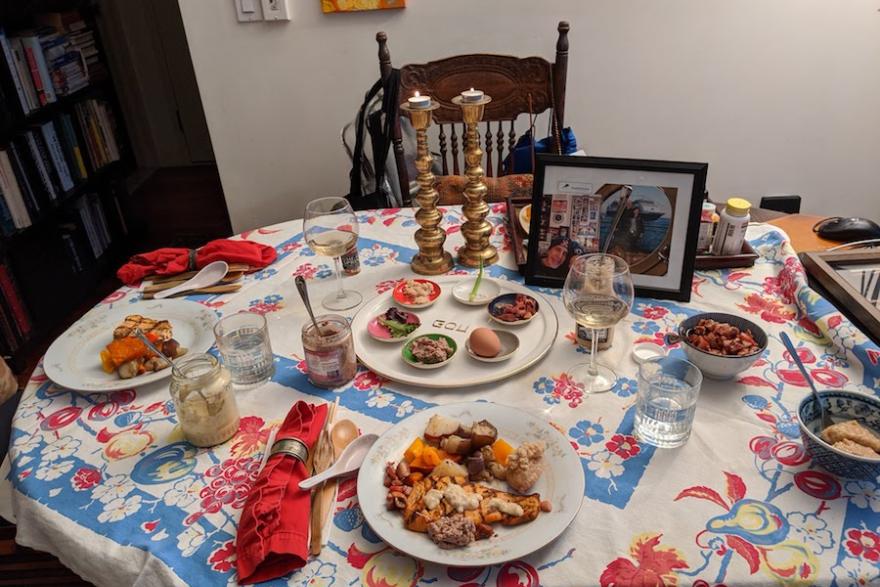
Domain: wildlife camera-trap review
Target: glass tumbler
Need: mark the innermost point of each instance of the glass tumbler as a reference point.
(243, 340)
(666, 401)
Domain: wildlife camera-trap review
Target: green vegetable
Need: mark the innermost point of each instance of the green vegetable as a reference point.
(477, 283)
(397, 329)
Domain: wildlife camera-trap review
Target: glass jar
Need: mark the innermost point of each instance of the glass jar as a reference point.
(330, 357)
(201, 388)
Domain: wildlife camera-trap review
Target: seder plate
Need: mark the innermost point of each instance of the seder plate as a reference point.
(73, 360)
(562, 484)
(450, 317)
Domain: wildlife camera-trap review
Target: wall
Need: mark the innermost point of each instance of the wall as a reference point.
(778, 97)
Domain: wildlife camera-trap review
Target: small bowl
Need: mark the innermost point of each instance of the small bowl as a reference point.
(840, 405)
(380, 333)
(488, 291)
(411, 360)
(509, 298)
(404, 300)
(719, 366)
(509, 345)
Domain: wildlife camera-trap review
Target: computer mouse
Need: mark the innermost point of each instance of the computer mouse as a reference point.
(847, 230)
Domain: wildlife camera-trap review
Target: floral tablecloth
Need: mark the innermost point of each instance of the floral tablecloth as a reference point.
(107, 484)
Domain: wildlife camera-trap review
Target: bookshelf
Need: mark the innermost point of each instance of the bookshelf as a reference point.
(64, 157)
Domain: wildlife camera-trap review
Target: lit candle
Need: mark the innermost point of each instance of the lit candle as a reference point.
(419, 102)
(471, 96)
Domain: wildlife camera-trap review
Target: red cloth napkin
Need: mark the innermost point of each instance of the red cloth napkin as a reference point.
(273, 533)
(171, 261)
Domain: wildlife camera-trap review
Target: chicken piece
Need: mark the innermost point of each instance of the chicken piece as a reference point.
(161, 329)
(854, 431)
(525, 466)
(854, 448)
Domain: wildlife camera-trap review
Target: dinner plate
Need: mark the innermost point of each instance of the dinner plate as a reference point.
(525, 217)
(73, 360)
(562, 484)
(403, 300)
(449, 317)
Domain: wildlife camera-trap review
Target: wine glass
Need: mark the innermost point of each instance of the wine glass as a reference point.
(331, 229)
(598, 293)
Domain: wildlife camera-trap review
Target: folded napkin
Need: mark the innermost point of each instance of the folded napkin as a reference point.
(273, 533)
(171, 261)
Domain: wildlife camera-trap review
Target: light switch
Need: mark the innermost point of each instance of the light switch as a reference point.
(276, 10)
(248, 10)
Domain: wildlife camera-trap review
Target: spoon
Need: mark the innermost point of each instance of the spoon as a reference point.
(348, 462)
(342, 433)
(826, 418)
(210, 274)
(304, 294)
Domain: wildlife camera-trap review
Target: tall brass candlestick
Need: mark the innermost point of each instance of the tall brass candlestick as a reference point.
(431, 258)
(476, 230)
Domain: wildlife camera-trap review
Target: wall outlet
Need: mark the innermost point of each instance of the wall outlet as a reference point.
(248, 10)
(276, 10)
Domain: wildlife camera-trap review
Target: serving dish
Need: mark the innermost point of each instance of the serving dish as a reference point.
(381, 333)
(405, 301)
(489, 289)
(841, 405)
(496, 306)
(720, 366)
(509, 344)
(410, 359)
(562, 484)
(73, 359)
(455, 320)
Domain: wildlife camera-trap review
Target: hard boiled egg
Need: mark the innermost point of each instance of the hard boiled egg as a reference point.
(484, 342)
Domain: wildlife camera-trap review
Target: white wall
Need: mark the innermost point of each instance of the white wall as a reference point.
(778, 96)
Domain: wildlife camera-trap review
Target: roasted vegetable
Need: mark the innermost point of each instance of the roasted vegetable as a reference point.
(456, 445)
(439, 427)
(448, 468)
(501, 450)
(476, 466)
(415, 450)
(484, 434)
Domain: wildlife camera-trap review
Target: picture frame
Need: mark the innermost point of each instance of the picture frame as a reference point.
(851, 281)
(575, 199)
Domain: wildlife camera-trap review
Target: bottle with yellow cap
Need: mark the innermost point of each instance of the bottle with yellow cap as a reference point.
(731, 230)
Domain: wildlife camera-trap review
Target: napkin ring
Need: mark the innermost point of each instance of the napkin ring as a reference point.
(291, 446)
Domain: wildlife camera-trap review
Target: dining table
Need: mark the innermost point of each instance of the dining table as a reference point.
(107, 483)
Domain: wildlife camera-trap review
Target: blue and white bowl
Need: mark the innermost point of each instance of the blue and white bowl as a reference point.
(841, 405)
(721, 366)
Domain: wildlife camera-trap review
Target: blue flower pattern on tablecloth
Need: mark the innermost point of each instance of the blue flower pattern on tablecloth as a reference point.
(587, 433)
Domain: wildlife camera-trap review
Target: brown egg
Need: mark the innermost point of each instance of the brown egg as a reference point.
(484, 342)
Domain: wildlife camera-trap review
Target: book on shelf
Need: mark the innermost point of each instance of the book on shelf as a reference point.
(99, 128)
(22, 175)
(12, 296)
(40, 156)
(38, 67)
(59, 164)
(72, 149)
(12, 193)
(12, 73)
(94, 222)
(23, 73)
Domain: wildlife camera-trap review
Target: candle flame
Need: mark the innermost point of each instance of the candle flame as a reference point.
(472, 89)
(417, 94)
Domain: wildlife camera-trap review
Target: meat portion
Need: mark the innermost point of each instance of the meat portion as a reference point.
(525, 465)
(452, 531)
(720, 338)
(430, 351)
(522, 308)
(160, 329)
(853, 431)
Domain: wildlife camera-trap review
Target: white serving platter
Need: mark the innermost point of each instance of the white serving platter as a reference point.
(448, 316)
(562, 484)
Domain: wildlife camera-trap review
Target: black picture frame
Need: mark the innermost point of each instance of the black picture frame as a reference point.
(680, 290)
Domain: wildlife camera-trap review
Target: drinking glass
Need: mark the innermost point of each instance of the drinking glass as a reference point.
(598, 293)
(331, 229)
(243, 340)
(666, 401)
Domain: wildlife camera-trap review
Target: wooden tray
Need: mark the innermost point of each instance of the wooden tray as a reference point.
(746, 258)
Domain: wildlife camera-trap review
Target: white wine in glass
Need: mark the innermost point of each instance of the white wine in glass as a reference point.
(331, 229)
(598, 293)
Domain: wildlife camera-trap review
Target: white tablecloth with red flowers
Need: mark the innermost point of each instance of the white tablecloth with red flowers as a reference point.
(107, 483)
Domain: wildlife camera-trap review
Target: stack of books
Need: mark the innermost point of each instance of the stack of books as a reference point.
(53, 60)
(45, 162)
(15, 323)
(85, 233)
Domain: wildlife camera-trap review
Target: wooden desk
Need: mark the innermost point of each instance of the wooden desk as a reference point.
(799, 227)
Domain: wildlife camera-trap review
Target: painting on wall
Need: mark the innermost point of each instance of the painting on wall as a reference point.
(359, 5)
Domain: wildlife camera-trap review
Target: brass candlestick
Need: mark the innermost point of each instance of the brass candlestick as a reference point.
(431, 258)
(476, 230)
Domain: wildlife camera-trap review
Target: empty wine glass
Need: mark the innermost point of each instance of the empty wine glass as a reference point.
(331, 229)
(598, 293)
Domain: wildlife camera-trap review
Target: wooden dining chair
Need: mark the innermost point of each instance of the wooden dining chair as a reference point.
(518, 86)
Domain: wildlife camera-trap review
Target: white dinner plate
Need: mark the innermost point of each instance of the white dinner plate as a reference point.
(448, 316)
(73, 361)
(562, 484)
(525, 217)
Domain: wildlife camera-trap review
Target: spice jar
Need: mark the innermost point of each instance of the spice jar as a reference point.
(201, 388)
(330, 357)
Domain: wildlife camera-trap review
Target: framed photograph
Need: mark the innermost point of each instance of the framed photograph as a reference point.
(851, 281)
(575, 200)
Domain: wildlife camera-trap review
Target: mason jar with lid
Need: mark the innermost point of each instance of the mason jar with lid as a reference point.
(329, 352)
(201, 388)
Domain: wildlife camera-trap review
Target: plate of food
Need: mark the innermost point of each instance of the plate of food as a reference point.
(470, 484)
(416, 293)
(451, 318)
(100, 352)
(513, 309)
(393, 325)
(429, 351)
(476, 292)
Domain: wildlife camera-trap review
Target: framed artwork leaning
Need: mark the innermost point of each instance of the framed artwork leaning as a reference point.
(575, 201)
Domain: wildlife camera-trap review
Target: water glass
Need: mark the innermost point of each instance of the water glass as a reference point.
(243, 340)
(666, 401)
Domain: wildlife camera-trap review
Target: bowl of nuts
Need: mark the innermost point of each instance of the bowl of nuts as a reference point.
(721, 345)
